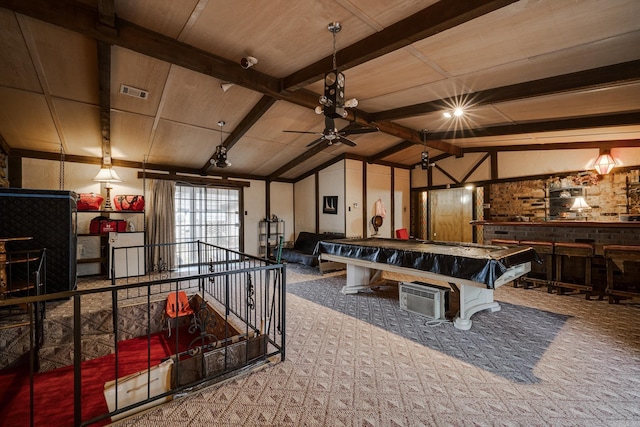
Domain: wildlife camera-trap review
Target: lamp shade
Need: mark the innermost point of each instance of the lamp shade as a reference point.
(579, 204)
(107, 175)
(604, 163)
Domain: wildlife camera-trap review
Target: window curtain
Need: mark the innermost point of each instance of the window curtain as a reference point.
(161, 225)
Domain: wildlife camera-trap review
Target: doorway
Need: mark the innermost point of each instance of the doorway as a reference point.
(450, 211)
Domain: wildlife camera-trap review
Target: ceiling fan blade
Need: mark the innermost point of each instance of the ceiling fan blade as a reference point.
(357, 131)
(346, 141)
(302, 131)
(316, 141)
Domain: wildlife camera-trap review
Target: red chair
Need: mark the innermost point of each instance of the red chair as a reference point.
(402, 234)
(178, 306)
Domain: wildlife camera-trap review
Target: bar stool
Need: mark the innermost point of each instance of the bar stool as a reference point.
(619, 254)
(508, 243)
(541, 274)
(505, 242)
(564, 251)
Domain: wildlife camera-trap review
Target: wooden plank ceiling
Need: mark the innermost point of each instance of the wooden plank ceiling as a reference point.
(526, 73)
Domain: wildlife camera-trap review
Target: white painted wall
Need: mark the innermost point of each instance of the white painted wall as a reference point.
(304, 193)
(254, 209)
(515, 164)
(354, 209)
(629, 156)
(281, 194)
(523, 163)
(332, 183)
(78, 177)
(460, 167)
(401, 199)
(378, 187)
(419, 178)
(45, 174)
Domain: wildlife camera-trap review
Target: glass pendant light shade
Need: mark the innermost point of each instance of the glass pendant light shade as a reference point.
(604, 163)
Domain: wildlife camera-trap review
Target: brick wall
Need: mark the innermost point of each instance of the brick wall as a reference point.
(606, 194)
(510, 200)
(4, 170)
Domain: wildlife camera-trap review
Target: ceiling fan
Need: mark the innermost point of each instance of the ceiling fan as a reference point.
(333, 135)
(333, 104)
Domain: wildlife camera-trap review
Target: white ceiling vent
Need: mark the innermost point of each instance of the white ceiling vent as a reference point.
(132, 91)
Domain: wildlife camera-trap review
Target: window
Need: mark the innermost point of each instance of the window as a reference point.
(208, 214)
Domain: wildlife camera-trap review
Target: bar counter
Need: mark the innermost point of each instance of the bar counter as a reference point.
(562, 223)
(597, 232)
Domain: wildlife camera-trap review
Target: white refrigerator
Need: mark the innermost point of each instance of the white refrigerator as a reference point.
(129, 259)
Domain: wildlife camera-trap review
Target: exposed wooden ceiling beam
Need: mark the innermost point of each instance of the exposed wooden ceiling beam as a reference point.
(107, 13)
(45, 155)
(548, 125)
(391, 150)
(558, 146)
(432, 159)
(476, 166)
(4, 145)
(104, 88)
(81, 18)
(612, 75)
(249, 120)
(434, 19)
(414, 136)
(218, 182)
(301, 158)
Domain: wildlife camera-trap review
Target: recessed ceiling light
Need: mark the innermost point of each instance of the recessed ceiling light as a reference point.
(447, 114)
(458, 112)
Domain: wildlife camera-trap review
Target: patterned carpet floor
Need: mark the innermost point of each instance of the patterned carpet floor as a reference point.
(358, 360)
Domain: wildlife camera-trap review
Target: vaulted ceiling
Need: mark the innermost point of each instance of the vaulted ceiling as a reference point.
(528, 73)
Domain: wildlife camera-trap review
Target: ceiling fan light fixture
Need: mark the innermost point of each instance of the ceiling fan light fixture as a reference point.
(333, 105)
(351, 103)
(424, 160)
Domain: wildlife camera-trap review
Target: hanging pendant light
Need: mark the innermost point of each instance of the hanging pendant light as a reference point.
(219, 159)
(604, 163)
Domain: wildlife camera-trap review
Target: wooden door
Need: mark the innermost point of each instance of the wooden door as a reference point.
(451, 212)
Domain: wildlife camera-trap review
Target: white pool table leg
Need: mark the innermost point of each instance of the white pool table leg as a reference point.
(360, 278)
(472, 300)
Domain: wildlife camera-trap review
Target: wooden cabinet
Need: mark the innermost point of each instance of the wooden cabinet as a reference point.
(49, 217)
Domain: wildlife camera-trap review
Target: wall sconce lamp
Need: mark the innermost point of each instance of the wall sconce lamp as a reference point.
(604, 163)
(579, 204)
(107, 175)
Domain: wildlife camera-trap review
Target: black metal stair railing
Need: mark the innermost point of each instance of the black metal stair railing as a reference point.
(239, 309)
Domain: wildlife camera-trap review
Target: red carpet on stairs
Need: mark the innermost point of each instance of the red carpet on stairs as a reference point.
(53, 390)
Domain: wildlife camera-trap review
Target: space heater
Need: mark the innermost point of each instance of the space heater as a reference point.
(427, 301)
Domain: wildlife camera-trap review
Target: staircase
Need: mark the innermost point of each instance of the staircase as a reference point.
(97, 334)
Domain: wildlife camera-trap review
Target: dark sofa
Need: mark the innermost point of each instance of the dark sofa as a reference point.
(304, 249)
